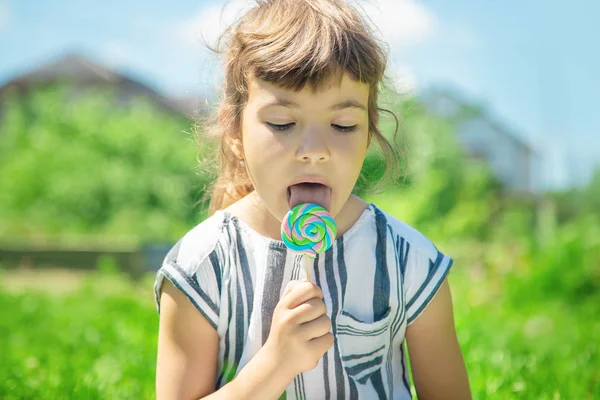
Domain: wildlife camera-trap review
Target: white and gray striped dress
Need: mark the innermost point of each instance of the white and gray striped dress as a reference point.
(377, 278)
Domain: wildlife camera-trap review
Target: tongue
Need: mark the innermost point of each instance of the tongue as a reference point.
(310, 193)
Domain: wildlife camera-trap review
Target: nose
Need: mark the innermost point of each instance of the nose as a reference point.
(313, 147)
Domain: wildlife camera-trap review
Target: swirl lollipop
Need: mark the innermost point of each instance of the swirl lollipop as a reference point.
(308, 229)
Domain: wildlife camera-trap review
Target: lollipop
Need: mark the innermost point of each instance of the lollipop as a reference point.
(308, 229)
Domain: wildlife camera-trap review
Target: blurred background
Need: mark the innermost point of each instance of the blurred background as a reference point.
(98, 178)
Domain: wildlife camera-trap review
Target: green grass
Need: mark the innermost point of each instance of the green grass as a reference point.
(97, 339)
(516, 348)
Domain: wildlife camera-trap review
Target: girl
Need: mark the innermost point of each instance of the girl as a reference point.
(237, 320)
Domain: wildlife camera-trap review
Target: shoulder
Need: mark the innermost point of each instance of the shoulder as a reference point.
(196, 245)
(194, 266)
(401, 231)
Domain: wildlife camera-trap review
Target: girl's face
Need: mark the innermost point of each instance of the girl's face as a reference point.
(318, 135)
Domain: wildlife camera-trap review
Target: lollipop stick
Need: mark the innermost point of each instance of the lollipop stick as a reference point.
(307, 268)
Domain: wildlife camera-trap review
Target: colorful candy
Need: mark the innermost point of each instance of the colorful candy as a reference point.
(308, 229)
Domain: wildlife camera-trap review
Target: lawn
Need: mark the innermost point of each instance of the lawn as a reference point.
(88, 336)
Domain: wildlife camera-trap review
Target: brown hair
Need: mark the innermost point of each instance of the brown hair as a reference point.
(289, 43)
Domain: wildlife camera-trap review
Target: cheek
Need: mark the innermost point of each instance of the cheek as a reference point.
(263, 152)
(354, 151)
(353, 159)
(254, 139)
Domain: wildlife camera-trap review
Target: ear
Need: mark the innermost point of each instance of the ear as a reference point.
(237, 148)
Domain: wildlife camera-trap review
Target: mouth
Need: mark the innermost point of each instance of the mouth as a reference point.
(309, 192)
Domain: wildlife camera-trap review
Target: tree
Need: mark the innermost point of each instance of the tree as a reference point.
(88, 166)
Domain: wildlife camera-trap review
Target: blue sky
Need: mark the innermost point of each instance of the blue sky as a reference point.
(535, 64)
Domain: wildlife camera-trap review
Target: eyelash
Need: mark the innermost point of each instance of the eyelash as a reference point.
(341, 128)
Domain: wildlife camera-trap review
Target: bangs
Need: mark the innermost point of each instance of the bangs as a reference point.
(314, 48)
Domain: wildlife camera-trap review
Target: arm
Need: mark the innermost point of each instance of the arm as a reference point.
(436, 360)
(187, 358)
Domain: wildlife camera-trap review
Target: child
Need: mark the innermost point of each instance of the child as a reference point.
(237, 318)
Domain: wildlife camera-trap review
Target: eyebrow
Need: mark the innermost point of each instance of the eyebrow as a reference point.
(339, 106)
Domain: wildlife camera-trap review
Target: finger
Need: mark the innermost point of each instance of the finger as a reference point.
(288, 288)
(315, 328)
(322, 343)
(309, 310)
(301, 293)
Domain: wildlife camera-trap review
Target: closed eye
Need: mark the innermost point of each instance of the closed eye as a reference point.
(345, 128)
(279, 127)
(338, 127)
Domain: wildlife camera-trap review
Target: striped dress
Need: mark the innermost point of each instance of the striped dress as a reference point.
(377, 278)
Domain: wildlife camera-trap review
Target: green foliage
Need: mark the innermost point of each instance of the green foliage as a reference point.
(574, 203)
(521, 348)
(566, 266)
(91, 165)
(90, 344)
(107, 264)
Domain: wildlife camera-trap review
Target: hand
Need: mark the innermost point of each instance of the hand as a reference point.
(300, 328)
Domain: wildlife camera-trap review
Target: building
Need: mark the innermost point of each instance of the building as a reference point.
(82, 73)
(511, 158)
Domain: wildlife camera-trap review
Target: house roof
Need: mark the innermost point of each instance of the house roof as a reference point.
(74, 67)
